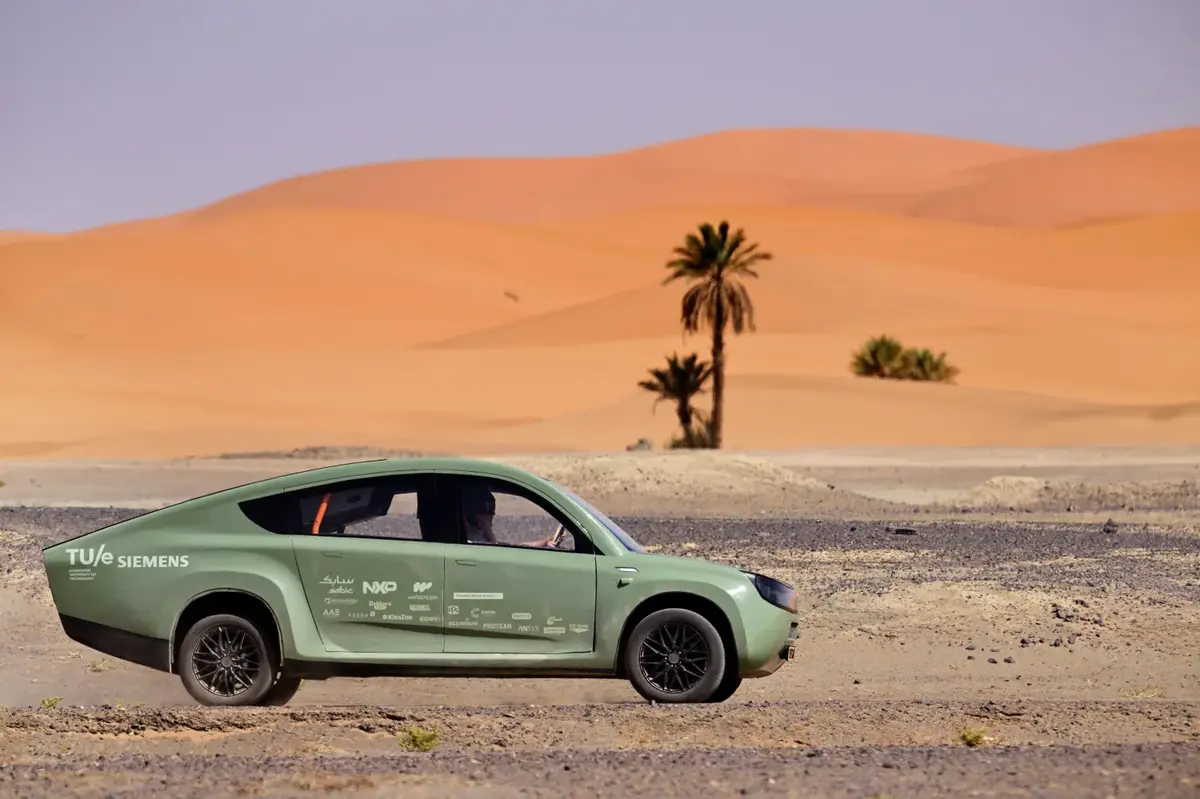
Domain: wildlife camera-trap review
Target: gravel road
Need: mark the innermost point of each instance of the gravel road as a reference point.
(930, 663)
(1154, 771)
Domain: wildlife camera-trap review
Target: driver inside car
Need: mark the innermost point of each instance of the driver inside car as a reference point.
(478, 508)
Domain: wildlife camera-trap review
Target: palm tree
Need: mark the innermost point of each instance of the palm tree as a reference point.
(715, 261)
(678, 383)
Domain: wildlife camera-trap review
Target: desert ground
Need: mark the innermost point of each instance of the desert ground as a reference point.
(1046, 601)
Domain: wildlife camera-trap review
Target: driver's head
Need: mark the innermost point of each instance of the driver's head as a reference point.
(478, 509)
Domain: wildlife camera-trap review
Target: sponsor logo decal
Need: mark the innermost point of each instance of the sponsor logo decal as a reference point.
(82, 560)
(418, 607)
(377, 605)
(397, 617)
(334, 612)
(478, 596)
(553, 620)
(577, 628)
(452, 610)
(522, 616)
(430, 619)
(420, 588)
(342, 584)
(527, 628)
(554, 630)
(497, 625)
(335, 601)
(379, 587)
(463, 623)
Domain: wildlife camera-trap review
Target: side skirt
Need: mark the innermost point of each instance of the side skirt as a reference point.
(324, 670)
(153, 653)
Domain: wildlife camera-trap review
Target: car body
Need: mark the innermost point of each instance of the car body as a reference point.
(393, 567)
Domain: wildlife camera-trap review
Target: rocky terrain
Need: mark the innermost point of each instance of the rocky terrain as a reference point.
(943, 653)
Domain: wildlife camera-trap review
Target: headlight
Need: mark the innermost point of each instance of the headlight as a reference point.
(777, 593)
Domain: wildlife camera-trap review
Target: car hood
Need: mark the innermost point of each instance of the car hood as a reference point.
(692, 564)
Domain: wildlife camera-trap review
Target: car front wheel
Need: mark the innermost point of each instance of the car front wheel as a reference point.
(224, 660)
(675, 655)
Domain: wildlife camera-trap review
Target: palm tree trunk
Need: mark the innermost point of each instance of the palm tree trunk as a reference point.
(684, 412)
(718, 370)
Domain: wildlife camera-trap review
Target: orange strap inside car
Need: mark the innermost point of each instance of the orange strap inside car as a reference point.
(320, 514)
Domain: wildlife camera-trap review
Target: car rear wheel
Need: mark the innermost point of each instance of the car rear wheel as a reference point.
(281, 692)
(224, 660)
(675, 655)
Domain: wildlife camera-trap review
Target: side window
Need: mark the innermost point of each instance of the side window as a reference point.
(404, 507)
(493, 512)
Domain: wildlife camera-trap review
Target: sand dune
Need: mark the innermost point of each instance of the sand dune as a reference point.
(767, 167)
(513, 305)
(895, 173)
(14, 236)
(1157, 173)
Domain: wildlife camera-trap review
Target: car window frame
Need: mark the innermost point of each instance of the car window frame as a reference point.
(515, 489)
(443, 521)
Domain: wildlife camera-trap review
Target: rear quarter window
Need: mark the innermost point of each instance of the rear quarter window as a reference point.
(275, 513)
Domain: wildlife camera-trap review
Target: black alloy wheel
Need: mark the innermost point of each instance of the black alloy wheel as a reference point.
(224, 660)
(675, 655)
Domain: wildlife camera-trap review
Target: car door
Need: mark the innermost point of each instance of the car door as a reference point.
(505, 598)
(371, 557)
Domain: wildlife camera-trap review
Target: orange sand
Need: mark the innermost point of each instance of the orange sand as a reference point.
(512, 305)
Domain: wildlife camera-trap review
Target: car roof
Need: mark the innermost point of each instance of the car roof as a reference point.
(376, 467)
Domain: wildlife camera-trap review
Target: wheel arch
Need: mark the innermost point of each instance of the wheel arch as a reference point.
(235, 601)
(676, 599)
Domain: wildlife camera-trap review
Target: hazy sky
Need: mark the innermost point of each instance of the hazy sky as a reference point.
(117, 109)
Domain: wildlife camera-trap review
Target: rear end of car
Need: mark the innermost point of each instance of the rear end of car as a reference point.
(107, 586)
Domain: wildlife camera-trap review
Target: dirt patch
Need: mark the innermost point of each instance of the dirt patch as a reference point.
(1033, 494)
(698, 484)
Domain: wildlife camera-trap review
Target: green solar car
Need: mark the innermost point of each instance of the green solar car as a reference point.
(411, 567)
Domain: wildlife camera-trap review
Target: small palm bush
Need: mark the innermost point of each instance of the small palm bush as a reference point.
(886, 358)
(879, 357)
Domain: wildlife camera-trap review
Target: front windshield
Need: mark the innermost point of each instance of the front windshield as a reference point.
(622, 536)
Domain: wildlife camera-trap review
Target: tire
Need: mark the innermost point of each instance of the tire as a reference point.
(225, 661)
(674, 632)
(281, 692)
(729, 684)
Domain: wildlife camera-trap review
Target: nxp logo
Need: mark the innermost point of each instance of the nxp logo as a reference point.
(378, 587)
(420, 588)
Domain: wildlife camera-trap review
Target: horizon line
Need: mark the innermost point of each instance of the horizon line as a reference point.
(1030, 149)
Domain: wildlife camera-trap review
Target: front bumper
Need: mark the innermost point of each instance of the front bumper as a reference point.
(785, 654)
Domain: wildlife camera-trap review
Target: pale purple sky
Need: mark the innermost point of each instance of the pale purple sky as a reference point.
(119, 109)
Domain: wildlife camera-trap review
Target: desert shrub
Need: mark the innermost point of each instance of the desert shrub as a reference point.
(922, 364)
(973, 737)
(886, 358)
(418, 739)
(879, 357)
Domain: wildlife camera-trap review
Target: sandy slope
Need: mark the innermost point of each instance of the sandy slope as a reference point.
(514, 304)
(1155, 173)
(783, 167)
